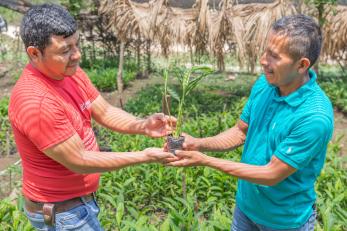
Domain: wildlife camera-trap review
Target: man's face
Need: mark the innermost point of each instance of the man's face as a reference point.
(279, 67)
(60, 58)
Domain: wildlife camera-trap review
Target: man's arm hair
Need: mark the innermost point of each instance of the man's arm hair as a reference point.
(227, 140)
(270, 174)
(116, 119)
(72, 154)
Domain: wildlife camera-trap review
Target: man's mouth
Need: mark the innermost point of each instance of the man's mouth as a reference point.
(268, 71)
(72, 65)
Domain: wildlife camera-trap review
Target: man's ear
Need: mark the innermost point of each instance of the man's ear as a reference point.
(304, 64)
(34, 53)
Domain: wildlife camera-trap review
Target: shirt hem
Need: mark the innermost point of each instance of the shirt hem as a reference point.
(268, 225)
(57, 141)
(285, 159)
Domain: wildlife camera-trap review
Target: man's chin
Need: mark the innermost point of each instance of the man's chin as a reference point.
(270, 79)
(70, 70)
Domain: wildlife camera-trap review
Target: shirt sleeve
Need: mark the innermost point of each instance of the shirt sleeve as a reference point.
(306, 140)
(51, 125)
(246, 112)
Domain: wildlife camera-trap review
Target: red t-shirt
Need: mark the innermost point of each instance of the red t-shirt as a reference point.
(44, 112)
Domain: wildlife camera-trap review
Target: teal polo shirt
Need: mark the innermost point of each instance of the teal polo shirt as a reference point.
(296, 129)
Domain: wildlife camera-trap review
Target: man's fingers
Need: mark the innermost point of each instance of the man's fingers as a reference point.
(167, 155)
(170, 159)
(165, 147)
(160, 116)
(184, 145)
(179, 163)
(182, 154)
(171, 119)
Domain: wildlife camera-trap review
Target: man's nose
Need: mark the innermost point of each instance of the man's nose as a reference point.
(76, 55)
(263, 60)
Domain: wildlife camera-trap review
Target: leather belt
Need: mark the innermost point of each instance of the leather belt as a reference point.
(62, 206)
(49, 209)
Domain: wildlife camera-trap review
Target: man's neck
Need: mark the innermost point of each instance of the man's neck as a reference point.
(293, 86)
(44, 73)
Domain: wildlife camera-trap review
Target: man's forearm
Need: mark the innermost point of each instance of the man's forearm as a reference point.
(272, 173)
(121, 121)
(227, 140)
(255, 174)
(93, 162)
(71, 154)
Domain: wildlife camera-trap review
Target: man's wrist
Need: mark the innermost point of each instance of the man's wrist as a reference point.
(142, 126)
(206, 160)
(149, 157)
(200, 144)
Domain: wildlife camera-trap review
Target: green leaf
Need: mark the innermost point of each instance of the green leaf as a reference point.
(173, 94)
(165, 226)
(119, 213)
(108, 198)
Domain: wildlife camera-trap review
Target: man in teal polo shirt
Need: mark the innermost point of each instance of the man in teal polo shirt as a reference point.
(286, 126)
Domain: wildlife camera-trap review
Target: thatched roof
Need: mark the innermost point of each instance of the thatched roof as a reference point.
(186, 4)
(335, 34)
(202, 28)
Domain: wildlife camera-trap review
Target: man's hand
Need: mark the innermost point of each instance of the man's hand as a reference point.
(159, 125)
(188, 158)
(191, 143)
(159, 155)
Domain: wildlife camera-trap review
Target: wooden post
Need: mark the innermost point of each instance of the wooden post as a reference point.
(120, 73)
(148, 51)
(8, 149)
(10, 179)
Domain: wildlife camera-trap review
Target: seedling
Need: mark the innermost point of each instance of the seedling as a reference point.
(188, 79)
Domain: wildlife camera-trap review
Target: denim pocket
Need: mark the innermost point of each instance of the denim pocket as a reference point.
(95, 207)
(36, 220)
(73, 219)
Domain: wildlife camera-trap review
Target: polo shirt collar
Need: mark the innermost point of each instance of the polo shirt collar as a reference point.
(297, 97)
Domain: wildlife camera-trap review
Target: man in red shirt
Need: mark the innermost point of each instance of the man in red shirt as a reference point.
(50, 110)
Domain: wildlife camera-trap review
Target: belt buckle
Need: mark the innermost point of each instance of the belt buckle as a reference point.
(48, 211)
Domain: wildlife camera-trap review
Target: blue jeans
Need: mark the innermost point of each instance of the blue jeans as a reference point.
(83, 217)
(242, 223)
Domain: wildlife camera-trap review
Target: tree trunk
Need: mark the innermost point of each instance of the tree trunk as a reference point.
(220, 62)
(138, 55)
(148, 51)
(120, 83)
(191, 54)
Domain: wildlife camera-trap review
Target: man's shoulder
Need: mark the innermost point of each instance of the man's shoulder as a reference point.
(316, 112)
(28, 87)
(28, 93)
(318, 104)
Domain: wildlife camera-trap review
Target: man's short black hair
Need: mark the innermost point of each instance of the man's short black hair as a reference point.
(43, 21)
(304, 36)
